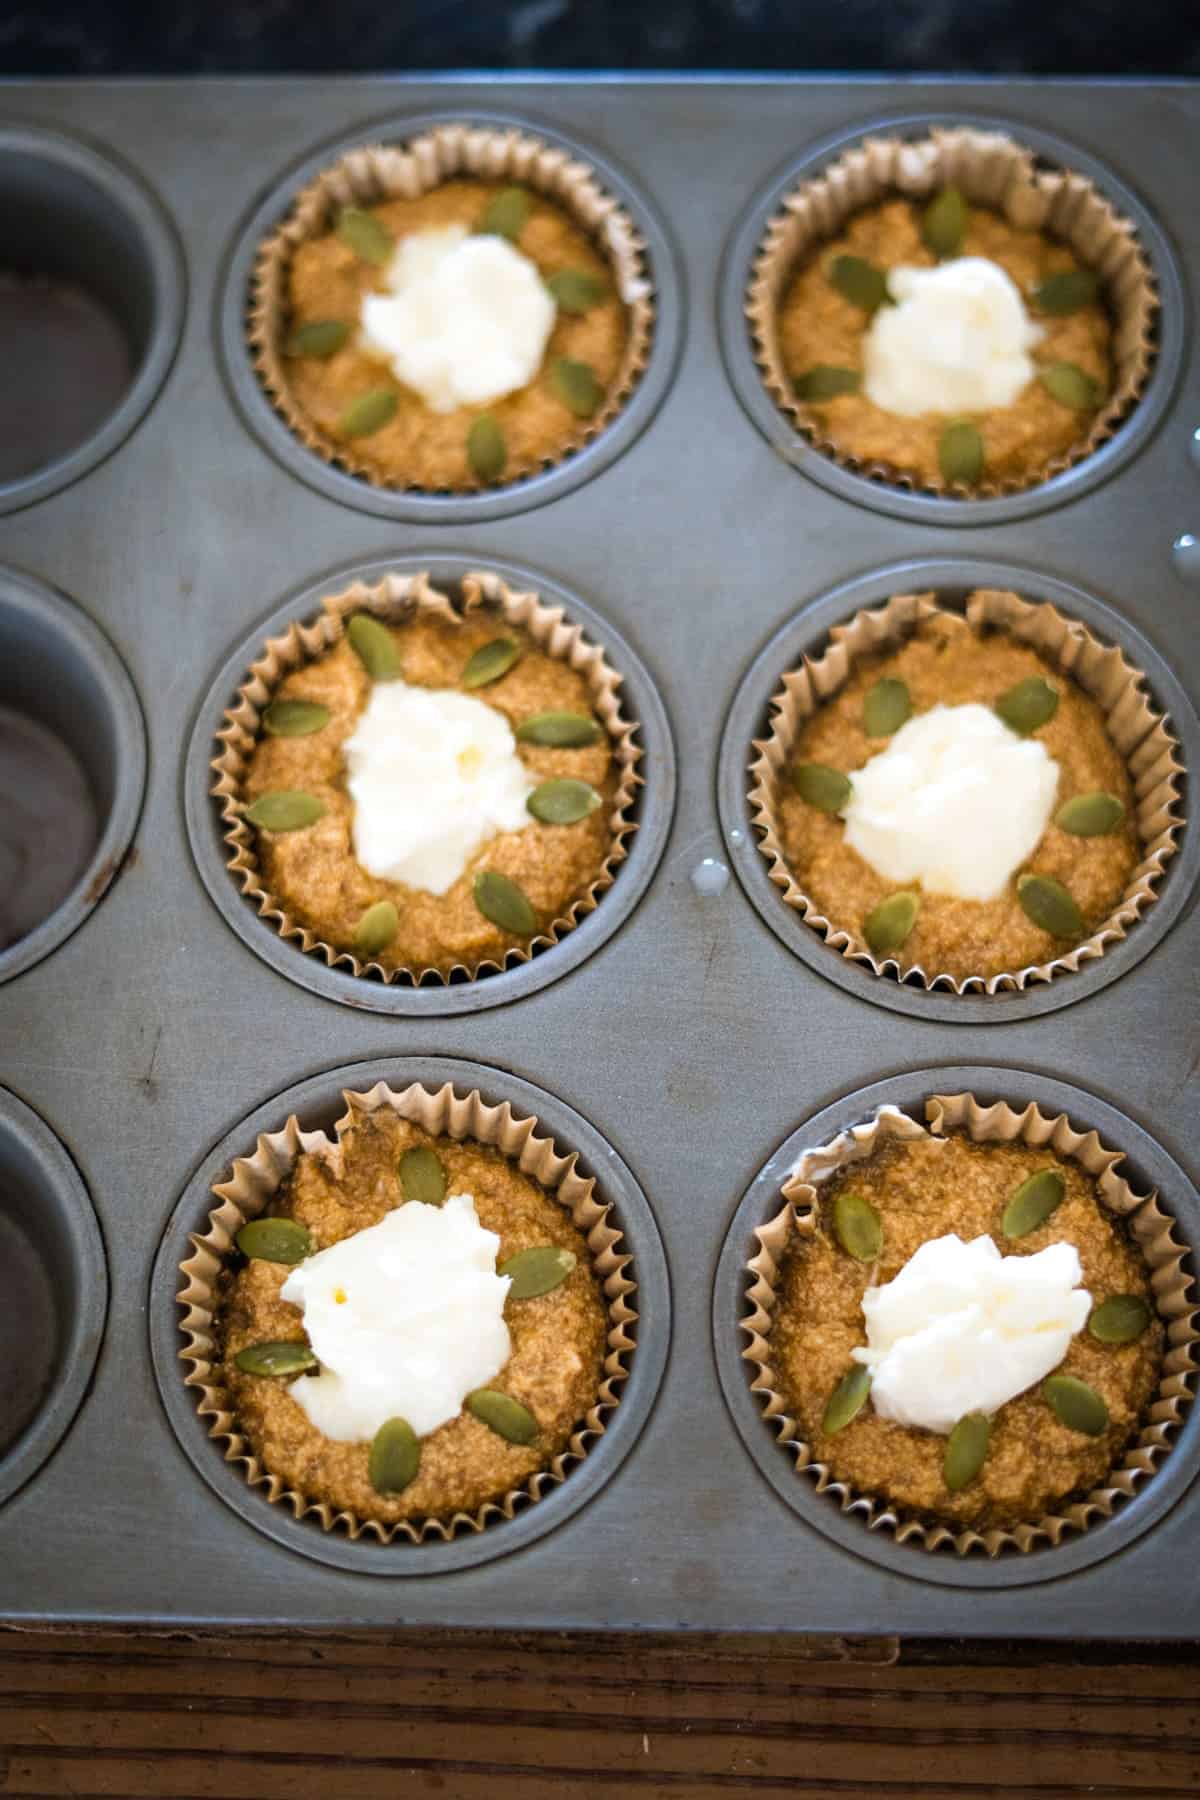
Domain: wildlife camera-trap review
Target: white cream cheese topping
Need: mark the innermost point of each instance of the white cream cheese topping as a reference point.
(957, 801)
(405, 1318)
(466, 318)
(957, 340)
(433, 774)
(962, 1329)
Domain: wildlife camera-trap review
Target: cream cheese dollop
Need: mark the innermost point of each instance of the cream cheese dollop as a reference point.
(957, 340)
(433, 774)
(957, 802)
(465, 320)
(405, 1319)
(962, 1329)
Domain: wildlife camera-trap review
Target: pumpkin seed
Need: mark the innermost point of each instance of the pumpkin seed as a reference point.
(1078, 1406)
(423, 1176)
(1119, 1319)
(562, 801)
(285, 810)
(966, 1449)
(886, 706)
(536, 1271)
(505, 214)
(321, 337)
(503, 1415)
(887, 925)
(395, 1457)
(846, 1400)
(960, 454)
(1066, 292)
(576, 386)
(490, 662)
(295, 718)
(859, 282)
(1071, 386)
(366, 235)
(559, 730)
(1090, 815)
(825, 788)
(1028, 705)
(575, 291)
(1032, 1203)
(1049, 905)
(857, 1227)
(275, 1359)
(487, 452)
(502, 901)
(826, 381)
(944, 222)
(376, 929)
(368, 413)
(274, 1240)
(374, 646)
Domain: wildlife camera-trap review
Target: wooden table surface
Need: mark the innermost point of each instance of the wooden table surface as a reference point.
(484, 1716)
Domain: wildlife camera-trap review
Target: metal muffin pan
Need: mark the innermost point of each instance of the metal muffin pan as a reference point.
(693, 1040)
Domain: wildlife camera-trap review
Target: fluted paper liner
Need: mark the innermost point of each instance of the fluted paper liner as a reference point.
(379, 172)
(394, 599)
(990, 169)
(1144, 1216)
(1138, 731)
(247, 1191)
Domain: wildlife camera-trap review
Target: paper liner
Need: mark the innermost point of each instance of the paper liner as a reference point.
(1138, 731)
(249, 1188)
(991, 170)
(394, 599)
(1144, 1216)
(379, 172)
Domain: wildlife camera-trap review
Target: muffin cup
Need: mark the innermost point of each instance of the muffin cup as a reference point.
(991, 170)
(248, 1190)
(1137, 730)
(394, 599)
(1143, 1215)
(372, 174)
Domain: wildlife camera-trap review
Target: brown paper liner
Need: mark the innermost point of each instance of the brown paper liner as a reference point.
(393, 599)
(1139, 732)
(1144, 1216)
(990, 170)
(378, 172)
(247, 1191)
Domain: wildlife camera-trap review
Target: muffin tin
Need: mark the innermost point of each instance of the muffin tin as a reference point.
(686, 1037)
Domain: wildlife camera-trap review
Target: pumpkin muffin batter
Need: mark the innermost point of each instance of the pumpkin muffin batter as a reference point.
(923, 1189)
(558, 1338)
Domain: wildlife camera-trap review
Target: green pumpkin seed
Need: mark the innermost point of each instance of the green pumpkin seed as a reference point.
(859, 282)
(321, 337)
(285, 810)
(576, 385)
(1032, 1203)
(274, 1240)
(487, 452)
(966, 1448)
(490, 662)
(503, 1415)
(886, 706)
(1050, 906)
(275, 1359)
(847, 1399)
(558, 730)
(1090, 815)
(887, 925)
(825, 788)
(423, 1176)
(944, 223)
(295, 718)
(1067, 292)
(502, 901)
(826, 381)
(1078, 1406)
(366, 235)
(960, 454)
(857, 1227)
(562, 801)
(575, 291)
(369, 413)
(505, 214)
(1119, 1319)
(1071, 386)
(376, 929)
(395, 1457)
(536, 1271)
(374, 646)
(1028, 705)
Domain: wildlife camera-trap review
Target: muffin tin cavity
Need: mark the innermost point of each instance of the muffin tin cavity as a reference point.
(53, 1292)
(91, 304)
(72, 769)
